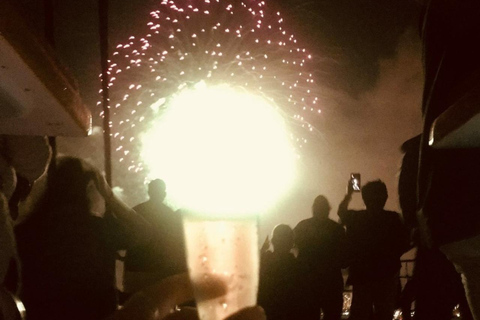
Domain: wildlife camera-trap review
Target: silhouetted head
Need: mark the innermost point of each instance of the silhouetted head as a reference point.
(69, 187)
(157, 190)
(374, 195)
(282, 238)
(321, 207)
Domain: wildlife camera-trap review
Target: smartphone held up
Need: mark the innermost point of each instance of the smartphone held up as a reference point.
(355, 182)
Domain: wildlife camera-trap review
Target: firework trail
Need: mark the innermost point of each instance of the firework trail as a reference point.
(242, 43)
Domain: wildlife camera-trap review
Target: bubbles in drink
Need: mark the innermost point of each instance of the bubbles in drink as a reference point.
(223, 265)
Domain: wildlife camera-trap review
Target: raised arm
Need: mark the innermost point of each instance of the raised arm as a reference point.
(343, 212)
(139, 228)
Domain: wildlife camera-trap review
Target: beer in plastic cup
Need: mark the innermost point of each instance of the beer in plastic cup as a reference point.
(226, 252)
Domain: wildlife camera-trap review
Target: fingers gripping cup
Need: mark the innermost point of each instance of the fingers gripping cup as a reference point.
(226, 156)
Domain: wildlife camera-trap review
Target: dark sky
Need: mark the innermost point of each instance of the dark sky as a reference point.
(352, 36)
(368, 66)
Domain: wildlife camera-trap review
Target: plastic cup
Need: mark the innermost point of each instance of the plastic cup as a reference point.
(226, 252)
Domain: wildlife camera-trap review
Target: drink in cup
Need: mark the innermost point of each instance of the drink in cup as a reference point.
(225, 252)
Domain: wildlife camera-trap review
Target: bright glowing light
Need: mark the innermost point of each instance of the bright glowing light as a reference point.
(186, 42)
(221, 151)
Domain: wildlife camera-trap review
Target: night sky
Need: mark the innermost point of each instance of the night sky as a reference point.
(368, 64)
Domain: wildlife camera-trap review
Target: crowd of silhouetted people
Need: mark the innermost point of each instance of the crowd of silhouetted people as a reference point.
(61, 257)
(68, 246)
(369, 242)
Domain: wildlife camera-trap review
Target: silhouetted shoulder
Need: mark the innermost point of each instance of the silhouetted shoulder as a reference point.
(141, 208)
(302, 225)
(393, 215)
(335, 226)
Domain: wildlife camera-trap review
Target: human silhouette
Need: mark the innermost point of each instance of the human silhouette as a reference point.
(376, 240)
(164, 255)
(321, 244)
(22, 161)
(279, 276)
(68, 245)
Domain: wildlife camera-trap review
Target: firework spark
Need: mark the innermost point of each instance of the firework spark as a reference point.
(242, 43)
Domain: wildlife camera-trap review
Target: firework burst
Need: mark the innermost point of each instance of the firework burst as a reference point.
(241, 43)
